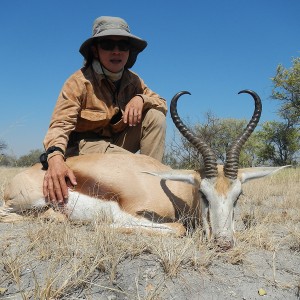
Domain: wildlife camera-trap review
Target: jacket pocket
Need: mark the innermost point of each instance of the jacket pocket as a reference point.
(91, 120)
(92, 115)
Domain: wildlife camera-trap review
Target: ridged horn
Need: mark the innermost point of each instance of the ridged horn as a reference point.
(210, 160)
(232, 155)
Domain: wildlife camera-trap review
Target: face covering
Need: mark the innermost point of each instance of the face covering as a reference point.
(99, 69)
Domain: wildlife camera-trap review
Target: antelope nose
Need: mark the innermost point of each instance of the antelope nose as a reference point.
(224, 244)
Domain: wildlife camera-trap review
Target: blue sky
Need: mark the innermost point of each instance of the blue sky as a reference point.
(213, 49)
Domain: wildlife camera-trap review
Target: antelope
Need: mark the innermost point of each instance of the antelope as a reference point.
(136, 191)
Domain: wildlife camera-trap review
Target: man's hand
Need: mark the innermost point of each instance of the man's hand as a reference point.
(55, 186)
(133, 111)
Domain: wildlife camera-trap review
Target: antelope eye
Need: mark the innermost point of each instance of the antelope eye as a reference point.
(203, 198)
(237, 198)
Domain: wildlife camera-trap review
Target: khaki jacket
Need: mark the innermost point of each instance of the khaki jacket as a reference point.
(85, 103)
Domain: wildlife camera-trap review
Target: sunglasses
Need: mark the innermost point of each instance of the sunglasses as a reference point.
(110, 45)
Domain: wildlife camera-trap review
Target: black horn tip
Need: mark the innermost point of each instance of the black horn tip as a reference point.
(185, 92)
(248, 92)
(178, 95)
(256, 98)
(182, 93)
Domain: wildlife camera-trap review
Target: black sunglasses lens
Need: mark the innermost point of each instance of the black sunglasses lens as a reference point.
(110, 45)
(107, 45)
(123, 45)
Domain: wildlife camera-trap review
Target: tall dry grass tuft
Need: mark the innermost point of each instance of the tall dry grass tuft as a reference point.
(293, 237)
(172, 254)
(268, 208)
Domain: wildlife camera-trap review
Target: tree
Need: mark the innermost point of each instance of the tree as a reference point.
(29, 159)
(180, 154)
(281, 139)
(287, 90)
(280, 143)
(3, 146)
(8, 160)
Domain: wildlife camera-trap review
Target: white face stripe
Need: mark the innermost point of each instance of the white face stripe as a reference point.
(221, 207)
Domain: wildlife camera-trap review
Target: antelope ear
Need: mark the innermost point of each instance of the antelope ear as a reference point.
(253, 173)
(187, 178)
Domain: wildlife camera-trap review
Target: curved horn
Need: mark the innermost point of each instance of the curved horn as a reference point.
(233, 154)
(210, 160)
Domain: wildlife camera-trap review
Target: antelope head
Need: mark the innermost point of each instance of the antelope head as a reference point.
(220, 186)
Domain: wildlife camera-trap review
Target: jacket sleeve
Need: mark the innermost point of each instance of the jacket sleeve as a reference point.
(152, 100)
(65, 114)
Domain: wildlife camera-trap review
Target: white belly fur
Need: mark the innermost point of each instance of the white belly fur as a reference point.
(84, 208)
(80, 207)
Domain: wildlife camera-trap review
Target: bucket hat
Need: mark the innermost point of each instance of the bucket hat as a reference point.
(105, 26)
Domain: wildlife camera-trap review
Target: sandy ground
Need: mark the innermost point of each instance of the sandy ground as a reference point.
(143, 276)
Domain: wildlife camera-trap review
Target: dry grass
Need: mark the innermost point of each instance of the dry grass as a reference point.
(77, 259)
(270, 210)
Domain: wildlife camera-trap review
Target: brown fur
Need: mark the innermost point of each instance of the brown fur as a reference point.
(120, 178)
(222, 185)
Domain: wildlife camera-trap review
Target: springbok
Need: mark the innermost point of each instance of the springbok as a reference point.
(121, 188)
